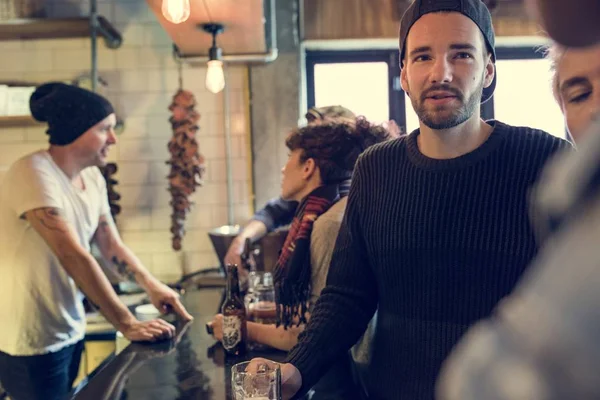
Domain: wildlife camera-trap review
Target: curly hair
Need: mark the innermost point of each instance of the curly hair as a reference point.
(335, 146)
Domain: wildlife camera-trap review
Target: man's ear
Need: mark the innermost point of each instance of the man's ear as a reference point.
(404, 81)
(490, 72)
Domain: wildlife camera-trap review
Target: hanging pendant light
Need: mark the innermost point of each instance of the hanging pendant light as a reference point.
(215, 78)
(176, 11)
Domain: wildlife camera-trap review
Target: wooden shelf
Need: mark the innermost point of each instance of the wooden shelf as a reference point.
(58, 28)
(13, 121)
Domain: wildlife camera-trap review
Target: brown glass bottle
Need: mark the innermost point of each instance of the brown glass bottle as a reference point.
(234, 316)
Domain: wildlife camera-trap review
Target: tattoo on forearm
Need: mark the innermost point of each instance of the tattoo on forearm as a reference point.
(123, 269)
(51, 218)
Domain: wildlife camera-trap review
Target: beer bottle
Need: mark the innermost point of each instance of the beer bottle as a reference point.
(234, 315)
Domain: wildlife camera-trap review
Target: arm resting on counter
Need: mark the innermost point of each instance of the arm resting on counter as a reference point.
(79, 264)
(269, 334)
(276, 337)
(130, 267)
(87, 274)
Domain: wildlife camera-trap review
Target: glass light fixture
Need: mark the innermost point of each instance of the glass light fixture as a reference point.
(215, 78)
(176, 11)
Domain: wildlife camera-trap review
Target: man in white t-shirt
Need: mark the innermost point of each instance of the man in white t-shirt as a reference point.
(53, 204)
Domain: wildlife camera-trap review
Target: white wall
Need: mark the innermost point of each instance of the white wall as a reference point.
(142, 78)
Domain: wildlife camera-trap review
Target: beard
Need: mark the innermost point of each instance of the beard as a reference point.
(446, 117)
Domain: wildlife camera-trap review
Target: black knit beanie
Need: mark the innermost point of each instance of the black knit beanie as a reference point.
(69, 110)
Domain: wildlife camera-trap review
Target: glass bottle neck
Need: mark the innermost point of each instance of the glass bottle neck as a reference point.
(233, 286)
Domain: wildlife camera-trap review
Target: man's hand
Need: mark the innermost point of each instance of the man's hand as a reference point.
(291, 380)
(148, 331)
(233, 257)
(234, 252)
(144, 352)
(216, 327)
(165, 299)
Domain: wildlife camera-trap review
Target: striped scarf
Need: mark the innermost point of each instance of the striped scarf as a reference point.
(293, 270)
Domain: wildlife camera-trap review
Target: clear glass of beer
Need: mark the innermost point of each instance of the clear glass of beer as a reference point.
(256, 380)
(262, 305)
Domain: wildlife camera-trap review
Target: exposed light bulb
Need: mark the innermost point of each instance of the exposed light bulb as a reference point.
(176, 11)
(215, 78)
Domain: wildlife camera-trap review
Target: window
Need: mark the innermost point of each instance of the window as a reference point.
(411, 120)
(523, 95)
(361, 87)
(366, 82)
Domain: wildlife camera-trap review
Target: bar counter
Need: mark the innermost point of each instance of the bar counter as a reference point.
(191, 366)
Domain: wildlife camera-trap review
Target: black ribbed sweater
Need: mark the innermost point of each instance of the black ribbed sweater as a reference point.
(434, 245)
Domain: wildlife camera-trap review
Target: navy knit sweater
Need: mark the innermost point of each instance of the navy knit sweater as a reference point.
(434, 245)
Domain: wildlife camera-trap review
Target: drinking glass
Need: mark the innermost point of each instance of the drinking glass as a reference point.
(256, 380)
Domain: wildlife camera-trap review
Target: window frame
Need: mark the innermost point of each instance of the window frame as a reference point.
(390, 57)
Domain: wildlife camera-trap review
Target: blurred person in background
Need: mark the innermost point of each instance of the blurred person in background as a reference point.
(542, 342)
(576, 84)
(570, 23)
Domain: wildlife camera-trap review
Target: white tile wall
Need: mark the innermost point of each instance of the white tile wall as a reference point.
(142, 78)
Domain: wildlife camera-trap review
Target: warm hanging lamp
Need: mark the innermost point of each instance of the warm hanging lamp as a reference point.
(176, 11)
(215, 78)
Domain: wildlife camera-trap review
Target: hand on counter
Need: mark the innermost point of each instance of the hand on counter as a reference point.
(148, 331)
(215, 327)
(109, 382)
(145, 352)
(166, 299)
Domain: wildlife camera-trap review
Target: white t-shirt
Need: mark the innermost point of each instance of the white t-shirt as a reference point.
(41, 307)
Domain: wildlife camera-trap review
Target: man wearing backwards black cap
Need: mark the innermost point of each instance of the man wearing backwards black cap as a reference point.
(53, 203)
(436, 230)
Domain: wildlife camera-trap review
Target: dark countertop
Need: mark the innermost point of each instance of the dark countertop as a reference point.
(192, 366)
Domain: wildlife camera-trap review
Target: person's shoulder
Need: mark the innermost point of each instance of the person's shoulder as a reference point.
(532, 135)
(527, 139)
(335, 212)
(29, 163)
(385, 150)
(331, 220)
